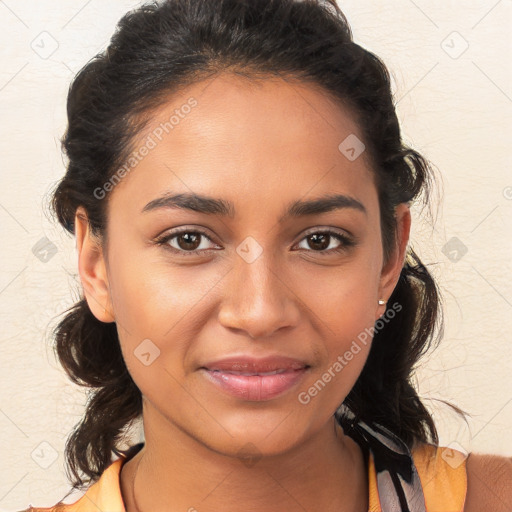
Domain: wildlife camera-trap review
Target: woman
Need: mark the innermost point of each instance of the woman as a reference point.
(240, 195)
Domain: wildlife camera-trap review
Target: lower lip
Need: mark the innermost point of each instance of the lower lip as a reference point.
(255, 387)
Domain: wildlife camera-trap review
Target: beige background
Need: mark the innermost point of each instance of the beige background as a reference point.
(450, 63)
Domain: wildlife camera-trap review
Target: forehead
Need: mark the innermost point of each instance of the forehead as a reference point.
(256, 140)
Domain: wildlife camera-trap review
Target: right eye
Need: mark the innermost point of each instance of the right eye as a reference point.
(186, 241)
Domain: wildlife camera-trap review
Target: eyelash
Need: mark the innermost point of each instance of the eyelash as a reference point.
(345, 242)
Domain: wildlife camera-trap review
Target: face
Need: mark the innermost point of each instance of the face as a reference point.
(260, 269)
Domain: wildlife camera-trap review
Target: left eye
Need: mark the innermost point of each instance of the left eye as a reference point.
(323, 239)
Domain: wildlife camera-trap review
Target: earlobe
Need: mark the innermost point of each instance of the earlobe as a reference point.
(393, 267)
(92, 269)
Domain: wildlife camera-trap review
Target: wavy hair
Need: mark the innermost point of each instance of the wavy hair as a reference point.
(160, 48)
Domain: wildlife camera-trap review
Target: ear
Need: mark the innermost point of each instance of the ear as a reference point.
(92, 269)
(391, 269)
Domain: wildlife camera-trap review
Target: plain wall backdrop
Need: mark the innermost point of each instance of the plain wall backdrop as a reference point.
(450, 63)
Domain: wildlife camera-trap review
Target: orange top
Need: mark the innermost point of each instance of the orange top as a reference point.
(442, 473)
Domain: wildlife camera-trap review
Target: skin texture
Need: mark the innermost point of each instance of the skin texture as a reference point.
(260, 145)
(489, 480)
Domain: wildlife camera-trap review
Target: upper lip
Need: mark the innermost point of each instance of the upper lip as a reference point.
(256, 365)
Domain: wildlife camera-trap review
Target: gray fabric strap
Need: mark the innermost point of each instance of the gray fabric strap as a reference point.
(398, 481)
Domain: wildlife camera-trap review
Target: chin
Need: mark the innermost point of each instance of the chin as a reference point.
(253, 443)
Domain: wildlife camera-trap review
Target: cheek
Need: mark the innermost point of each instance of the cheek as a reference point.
(151, 296)
(344, 302)
(350, 331)
(344, 297)
(159, 311)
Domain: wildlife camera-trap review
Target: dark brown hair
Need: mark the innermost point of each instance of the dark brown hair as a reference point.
(162, 47)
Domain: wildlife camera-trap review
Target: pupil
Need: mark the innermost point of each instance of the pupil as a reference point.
(190, 239)
(323, 245)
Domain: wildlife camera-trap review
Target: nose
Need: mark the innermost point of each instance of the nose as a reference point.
(259, 299)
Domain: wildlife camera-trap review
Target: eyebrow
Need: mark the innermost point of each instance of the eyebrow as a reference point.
(213, 206)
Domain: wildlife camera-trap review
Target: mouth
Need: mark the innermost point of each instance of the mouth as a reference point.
(255, 381)
(252, 374)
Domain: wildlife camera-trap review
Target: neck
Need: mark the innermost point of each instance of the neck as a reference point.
(174, 472)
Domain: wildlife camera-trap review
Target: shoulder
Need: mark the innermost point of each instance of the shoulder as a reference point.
(478, 481)
(489, 483)
(104, 493)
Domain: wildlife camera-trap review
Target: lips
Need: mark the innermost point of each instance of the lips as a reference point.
(255, 379)
(254, 366)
